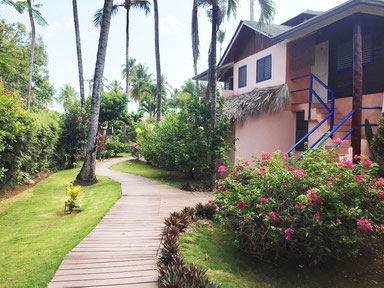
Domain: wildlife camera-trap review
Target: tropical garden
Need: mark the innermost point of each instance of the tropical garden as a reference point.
(271, 222)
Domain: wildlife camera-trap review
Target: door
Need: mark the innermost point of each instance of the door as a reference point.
(320, 69)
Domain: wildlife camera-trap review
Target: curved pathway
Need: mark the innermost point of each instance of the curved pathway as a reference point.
(121, 251)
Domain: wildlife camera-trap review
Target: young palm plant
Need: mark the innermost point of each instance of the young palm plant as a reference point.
(220, 39)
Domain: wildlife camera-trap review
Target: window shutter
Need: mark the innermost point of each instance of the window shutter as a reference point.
(267, 67)
(259, 76)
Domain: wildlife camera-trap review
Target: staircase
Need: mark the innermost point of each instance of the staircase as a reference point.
(329, 122)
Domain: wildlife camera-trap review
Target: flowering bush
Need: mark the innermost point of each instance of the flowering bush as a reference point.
(73, 137)
(184, 141)
(27, 140)
(377, 145)
(312, 210)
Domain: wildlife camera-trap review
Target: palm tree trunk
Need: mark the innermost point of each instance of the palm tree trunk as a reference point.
(87, 174)
(212, 86)
(79, 57)
(195, 41)
(127, 52)
(31, 54)
(157, 52)
(252, 9)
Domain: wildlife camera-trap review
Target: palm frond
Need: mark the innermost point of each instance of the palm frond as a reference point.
(232, 7)
(267, 12)
(98, 16)
(39, 18)
(144, 5)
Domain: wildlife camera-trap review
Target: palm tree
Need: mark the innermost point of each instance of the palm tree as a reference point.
(33, 14)
(140, 82)
(267, 12)
(87, 173)
(157, 54)
(220, 39)
(195, 39)
(128, 71)
(67, 95)
(78, 48)
(127, 4)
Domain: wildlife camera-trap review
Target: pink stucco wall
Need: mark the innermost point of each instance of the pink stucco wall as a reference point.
(267, 132)
(279, 59)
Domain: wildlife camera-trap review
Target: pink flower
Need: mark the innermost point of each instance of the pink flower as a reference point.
(248, 218)
(364, 225)
(77, 158)
(316, 216)
(246, 163)
(381, 227)
(221, 170)
(266, 156)
(241, 205)
(367, 163)
(338, 220)
(153, 164)
(358, 178)
(312, 196)
(80, 118)
(338, 141)
(340, 164)
(291, 168)
(300, 206)
(211, 203)
(272, 216)
(264, 200)
(288, 233)
(299, 173)
(348, 163)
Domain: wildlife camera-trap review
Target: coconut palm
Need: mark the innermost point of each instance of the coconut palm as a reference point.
(78, 48)
(34, 15)
(216, 12)
(129, 70)
(148, 104)
(220, 39)
(127, 4)
(87, 173)
(157, 53)
(267, 11)
(67, 95)
(140, 82)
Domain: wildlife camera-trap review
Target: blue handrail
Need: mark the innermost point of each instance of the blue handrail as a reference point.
(372, 107)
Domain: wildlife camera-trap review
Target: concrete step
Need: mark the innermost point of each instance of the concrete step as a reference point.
(341, 150)
(341, 134)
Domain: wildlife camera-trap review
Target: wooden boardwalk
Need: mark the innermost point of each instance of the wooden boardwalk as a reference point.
(121, 251)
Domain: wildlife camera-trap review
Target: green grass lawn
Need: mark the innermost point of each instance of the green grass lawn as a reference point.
(171, 178)
(35, 236)
(210, 248)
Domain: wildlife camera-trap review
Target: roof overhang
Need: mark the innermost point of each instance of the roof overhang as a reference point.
(220, 72)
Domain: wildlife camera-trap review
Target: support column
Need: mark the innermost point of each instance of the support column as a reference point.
(357, 95)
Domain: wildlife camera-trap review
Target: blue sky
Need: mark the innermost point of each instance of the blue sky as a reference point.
(175, 40)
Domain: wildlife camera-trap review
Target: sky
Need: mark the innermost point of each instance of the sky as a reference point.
(175, 39)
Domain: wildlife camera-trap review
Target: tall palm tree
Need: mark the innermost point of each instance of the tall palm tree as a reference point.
(87, 174)
(195, 39)
(78, 48)
(220, 39)
(128, 71)
(267, 13)
(127, 4)
(140, 82)
(33, 14)
(67, 95)
(157, 53)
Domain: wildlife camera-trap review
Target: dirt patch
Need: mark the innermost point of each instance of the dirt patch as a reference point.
(12, 193)
(198, 223)
(66, 212)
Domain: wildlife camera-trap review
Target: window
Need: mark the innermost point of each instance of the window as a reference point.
(345, 53)
(243, 76)
(264, 69)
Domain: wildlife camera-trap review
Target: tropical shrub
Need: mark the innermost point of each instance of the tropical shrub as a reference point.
(27, 141)
(173, 272)
(116, 148)
(184, 141)
(73, 137)
(377, 145)
(72, 197)
(206, 211)
(313, 210)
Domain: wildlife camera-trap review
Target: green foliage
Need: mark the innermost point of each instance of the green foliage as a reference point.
(73, 137)
(184, 141)
(205, 211)
(368, 131)
(377, 146)
(312, 210)
(15, 42)
(72, 197)
(27, 141)
(116, 148)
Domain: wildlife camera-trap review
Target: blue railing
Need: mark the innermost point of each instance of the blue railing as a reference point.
(331, 110)
(371, 108)
(312, 77)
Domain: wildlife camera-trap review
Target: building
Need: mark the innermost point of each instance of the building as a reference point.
(282, 82)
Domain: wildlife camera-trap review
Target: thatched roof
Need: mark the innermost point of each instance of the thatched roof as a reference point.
(270, 99)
